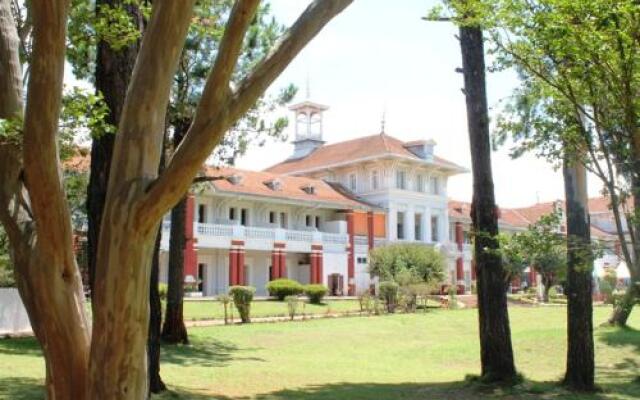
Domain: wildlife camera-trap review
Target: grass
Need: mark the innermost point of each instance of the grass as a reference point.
(209, 309)
(419, 356)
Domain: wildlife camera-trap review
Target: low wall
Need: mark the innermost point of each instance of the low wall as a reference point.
(13, 315)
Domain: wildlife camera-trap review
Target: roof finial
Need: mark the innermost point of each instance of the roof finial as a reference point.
(308, 92)
(383, 122)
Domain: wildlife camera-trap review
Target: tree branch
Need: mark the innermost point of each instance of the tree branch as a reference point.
(43, 178)
(211, 122)
(11, 76)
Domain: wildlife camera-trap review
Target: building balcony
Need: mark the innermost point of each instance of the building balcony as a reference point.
(220, 236)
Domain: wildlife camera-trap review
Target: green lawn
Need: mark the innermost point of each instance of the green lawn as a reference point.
(421, 356)
(210, 309)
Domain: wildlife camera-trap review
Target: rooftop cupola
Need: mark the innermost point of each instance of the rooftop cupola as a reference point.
(308, 128)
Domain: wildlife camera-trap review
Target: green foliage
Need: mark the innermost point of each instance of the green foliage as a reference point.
(163, 289)
(83, 112)
(281, 288)
(389, 293)
(11, 130)
(542, 246)
(365, 301)
(407, 264)
(242, 298)
(6, 268)
(315, 293)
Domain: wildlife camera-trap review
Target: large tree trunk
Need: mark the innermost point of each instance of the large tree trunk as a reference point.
(113, 72)
(155, 320)
(495, 335)
(39, 228)
(580, 354)
(136, 197)
(174, 329)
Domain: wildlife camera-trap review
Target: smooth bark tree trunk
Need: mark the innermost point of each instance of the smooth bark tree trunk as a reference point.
(580, 354)
(495, 336)
(45, 268)
(173, 329)
(113, 72)
(156, 385)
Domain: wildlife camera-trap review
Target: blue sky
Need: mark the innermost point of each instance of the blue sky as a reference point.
(380, 54)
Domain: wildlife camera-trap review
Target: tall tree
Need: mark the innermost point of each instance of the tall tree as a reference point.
(580, 369)
(579, 64)
(137, 197)
(495, 334)
(496, 351)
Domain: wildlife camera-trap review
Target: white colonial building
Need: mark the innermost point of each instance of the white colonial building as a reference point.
(315, 216)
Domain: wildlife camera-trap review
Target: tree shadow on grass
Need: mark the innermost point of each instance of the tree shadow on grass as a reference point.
(27, 346)
(445, 391)
(21, 388)
(205, 353)
(625, 336)
(421, 391)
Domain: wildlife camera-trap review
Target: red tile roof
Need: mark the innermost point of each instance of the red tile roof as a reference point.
(525, 216)
(291, 187)
(79, 162)
(373, 146)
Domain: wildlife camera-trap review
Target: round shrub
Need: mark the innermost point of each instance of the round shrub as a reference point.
(389, 293)
(242, 297)
(315, 293)
(281, 288)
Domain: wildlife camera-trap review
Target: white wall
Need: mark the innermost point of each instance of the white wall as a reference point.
(13, 315)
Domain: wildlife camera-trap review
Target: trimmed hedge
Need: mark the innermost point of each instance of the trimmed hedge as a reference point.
(242, 298)
(281, 288)
(315, 293)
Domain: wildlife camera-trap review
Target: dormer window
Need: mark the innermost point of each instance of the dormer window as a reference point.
(375, 180)
(309, 189)
(274, 184)
(235, 179)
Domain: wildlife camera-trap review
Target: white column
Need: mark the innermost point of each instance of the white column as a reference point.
(427, 225)
(409, 224)
(444, 223)
(392, 223)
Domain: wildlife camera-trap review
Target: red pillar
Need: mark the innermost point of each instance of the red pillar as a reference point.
(241, 268)
(370, 230)
(275, 264)
(459, 269)
(320, 265)
(190, 262)
(351, 260)
(459, 235)
(313, 268)
(233, 267)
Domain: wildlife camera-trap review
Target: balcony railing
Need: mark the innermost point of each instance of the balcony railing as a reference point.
(259, 238)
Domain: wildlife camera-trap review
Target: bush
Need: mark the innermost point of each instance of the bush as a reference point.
(225, 300)
(315, 293)
(163, 288)
(365, 301)
(242, 297)
(293, 302)
(281, 288)
(389, 293)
